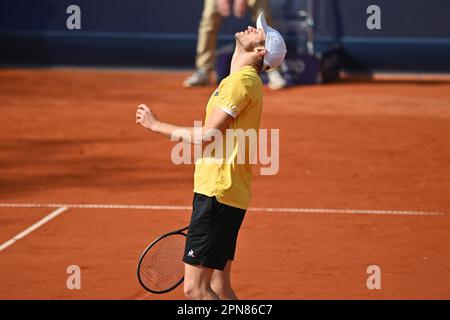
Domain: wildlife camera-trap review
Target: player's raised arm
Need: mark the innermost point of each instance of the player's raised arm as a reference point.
(218, 120)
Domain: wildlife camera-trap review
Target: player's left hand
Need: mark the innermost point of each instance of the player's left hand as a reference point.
(146, 118)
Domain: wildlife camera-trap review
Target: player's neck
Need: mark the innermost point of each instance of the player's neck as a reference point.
(241, 59)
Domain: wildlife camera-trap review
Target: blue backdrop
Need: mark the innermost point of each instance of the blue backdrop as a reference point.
(415, 35)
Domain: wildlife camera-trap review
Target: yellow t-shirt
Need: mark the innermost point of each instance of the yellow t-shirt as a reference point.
(239, 95)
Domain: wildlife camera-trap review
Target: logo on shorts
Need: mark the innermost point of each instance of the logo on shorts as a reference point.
(191, 254)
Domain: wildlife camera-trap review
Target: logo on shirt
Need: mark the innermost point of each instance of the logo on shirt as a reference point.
(191, 254)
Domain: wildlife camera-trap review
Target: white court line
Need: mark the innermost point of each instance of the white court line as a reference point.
(33, 227)
(187, 208)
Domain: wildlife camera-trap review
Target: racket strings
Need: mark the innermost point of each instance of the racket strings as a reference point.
(162, 266)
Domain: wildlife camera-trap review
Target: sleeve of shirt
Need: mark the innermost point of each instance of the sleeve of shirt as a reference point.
(234, 96)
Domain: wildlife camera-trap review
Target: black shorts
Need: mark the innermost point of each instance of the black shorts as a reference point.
(212, 234)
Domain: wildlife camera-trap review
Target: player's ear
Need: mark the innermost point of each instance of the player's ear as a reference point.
(261, 51)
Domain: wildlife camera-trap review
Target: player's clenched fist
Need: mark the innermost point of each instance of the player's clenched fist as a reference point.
(146, 117)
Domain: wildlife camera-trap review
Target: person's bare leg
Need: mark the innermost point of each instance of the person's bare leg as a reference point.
(221, 283)
(197, 283)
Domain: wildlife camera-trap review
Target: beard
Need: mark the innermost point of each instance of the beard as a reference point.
(237, 37)
(242, 43)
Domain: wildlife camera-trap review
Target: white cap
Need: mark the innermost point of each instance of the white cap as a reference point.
(275, 46)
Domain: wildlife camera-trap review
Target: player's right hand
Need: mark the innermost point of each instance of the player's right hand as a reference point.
(146, 118)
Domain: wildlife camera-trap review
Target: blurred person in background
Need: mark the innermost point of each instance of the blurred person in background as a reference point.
(213, 12)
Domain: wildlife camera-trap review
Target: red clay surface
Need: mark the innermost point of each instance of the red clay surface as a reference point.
(14, 221)
(69, 136)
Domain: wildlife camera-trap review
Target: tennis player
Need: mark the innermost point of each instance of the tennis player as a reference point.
(222, 190)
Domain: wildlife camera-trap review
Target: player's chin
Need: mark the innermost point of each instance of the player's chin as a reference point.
(239, 38)
(239, 35)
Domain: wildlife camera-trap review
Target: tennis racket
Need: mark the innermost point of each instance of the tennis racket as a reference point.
(160, 268)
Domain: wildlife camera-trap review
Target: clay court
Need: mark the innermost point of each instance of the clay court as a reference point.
(363, 180)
